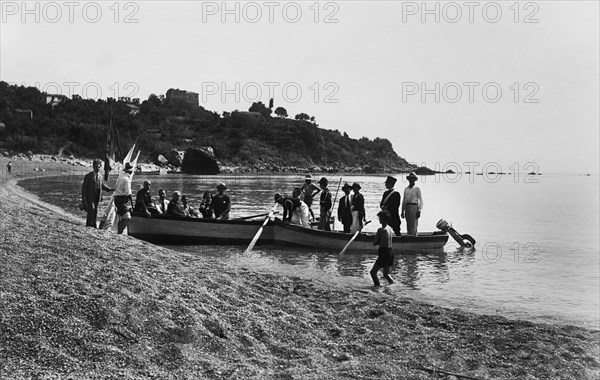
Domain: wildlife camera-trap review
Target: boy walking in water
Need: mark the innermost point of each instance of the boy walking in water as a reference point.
(383, 239)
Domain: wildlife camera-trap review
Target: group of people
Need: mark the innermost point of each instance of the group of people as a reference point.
(211, 206)
(296, 208)
(215, 206)
(351, 208)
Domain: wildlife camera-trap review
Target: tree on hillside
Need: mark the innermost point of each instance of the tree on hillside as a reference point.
(260, 107)
(302, 117)
(281, 112)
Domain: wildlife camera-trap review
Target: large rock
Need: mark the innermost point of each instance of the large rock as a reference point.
(199, 161)
(175, 158)
(161, 160)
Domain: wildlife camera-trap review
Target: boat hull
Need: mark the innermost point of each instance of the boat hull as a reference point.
(425, 242)
(173, 230)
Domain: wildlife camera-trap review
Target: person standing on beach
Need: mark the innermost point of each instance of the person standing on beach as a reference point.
(390, 202)
(385, 259)
(221, 204)
(325, 205)
(358, 209)
(412, 204)
(91, 193)
(344, 212)
(307, 192)
(9, 167)
(123, 198)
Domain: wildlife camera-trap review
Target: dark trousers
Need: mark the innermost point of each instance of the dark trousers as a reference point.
(386, 274)
(347, 227)
(395, 224)
(92, 214)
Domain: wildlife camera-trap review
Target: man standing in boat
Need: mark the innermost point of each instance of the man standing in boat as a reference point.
(412, 204)
(91, 193)
(325, 205)
(344, 212)
(390, 202)
(358, 209)
(221, 204)
(307, 192)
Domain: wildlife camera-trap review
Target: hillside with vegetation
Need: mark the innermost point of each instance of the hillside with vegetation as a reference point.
(259, 139)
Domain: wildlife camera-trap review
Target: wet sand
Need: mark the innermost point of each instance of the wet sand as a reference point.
(86, 304)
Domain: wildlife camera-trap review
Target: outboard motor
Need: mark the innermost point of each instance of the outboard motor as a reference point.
(465, 241)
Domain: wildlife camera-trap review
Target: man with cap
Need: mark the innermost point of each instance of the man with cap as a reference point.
(123, 197)
(325, 205)
(344, 212)
(221, 204)
(91, 192)
(358, 209)
(412, 204)
(143, 201)
(307, 192)
(390, 202)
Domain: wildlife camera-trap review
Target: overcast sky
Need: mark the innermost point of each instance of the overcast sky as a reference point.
(486, 82)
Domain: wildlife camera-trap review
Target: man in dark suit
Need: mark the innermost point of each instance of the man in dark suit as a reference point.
(344, 212)
(390, 202)
(91, 193)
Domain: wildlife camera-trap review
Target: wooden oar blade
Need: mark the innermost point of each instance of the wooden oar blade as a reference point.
(260, 230)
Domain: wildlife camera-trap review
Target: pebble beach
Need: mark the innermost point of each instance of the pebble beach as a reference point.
(79, 303)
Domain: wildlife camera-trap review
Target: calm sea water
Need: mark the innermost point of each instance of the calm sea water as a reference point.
(537, 256)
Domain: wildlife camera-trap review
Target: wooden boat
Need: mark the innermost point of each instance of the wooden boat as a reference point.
(425, 242)
(174, 230)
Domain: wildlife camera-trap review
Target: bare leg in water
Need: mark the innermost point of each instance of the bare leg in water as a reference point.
(386, 274)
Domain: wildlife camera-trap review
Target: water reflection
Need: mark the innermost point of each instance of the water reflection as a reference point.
(410, 271)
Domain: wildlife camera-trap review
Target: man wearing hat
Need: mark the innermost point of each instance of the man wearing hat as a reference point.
(307, 192)
(344, 212)
(123, 197)
(390, 202)
(358, 209)
(412, 204)
(325, 205)
(91, 193)
(221, 204)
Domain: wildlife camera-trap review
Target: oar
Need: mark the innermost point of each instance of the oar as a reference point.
(260, 230)
(353, 237)
(254, 216)
(333, 204)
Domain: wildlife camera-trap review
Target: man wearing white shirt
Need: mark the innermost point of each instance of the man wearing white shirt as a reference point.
(162, 204)
(412, 204)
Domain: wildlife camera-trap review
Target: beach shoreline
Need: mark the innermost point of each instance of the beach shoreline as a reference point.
(84, 303)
